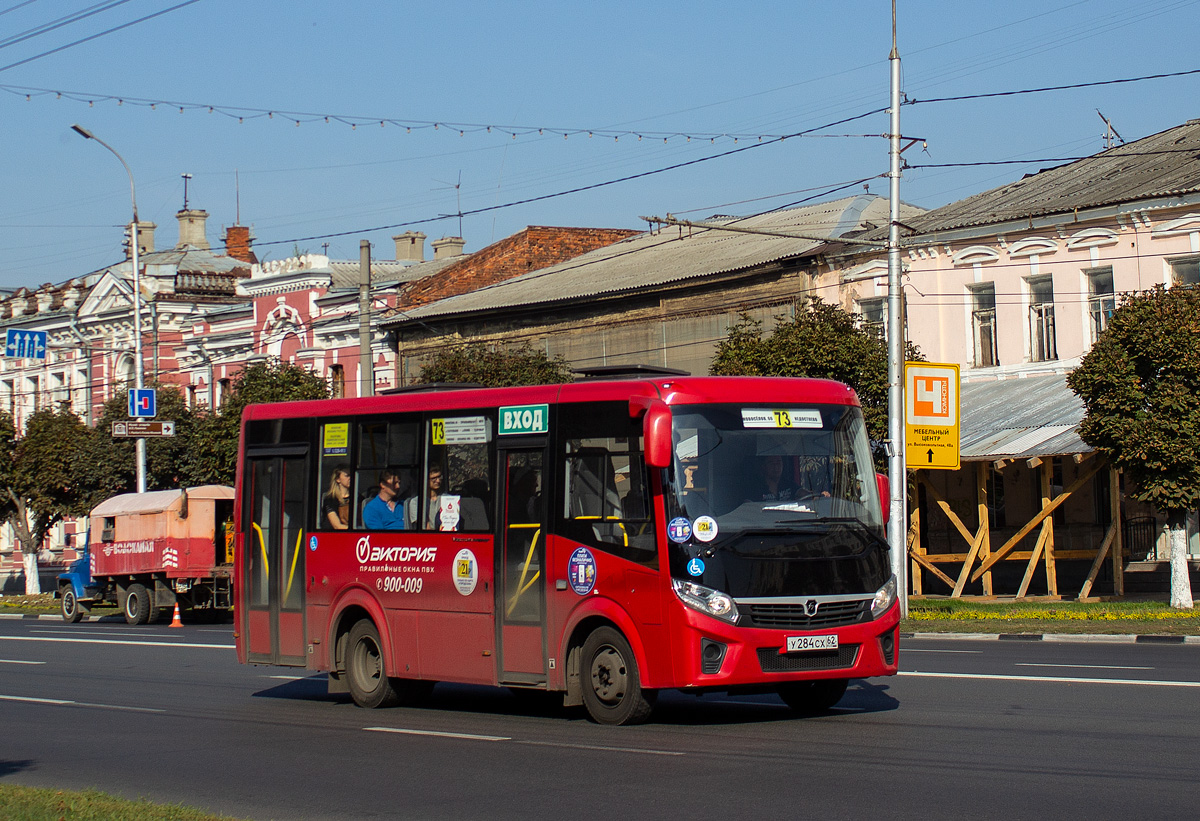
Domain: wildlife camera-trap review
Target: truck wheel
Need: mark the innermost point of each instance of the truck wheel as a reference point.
(813, 697)
(612, 690)
(137, 604)
(365, 672)
(70, 605)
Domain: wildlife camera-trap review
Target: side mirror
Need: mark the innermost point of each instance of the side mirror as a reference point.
(656, 429)
(885, 495)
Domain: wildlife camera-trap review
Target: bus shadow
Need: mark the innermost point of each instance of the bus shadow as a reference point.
(673, 707)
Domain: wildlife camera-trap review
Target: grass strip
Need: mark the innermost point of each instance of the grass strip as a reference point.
(38, 804)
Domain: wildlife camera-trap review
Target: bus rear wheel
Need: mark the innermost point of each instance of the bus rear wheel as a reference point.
(71, 611)
(612, 689)
(813, 697)
(365, 670)
(137, 604)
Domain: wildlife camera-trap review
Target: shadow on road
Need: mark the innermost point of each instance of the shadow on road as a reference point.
(11, 767)
(673, 707)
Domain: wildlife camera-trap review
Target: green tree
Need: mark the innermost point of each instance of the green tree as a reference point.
(43, 472)
(506, 366)
(820, 341)
(212, 446)
(1140, 384)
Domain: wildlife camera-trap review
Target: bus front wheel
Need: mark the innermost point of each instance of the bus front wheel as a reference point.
(612, 689)
(813, 697)
(365, 671)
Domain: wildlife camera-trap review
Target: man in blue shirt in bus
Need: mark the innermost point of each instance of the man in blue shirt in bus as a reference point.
(385, 512)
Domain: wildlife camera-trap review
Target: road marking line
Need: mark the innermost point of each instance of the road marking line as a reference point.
(108, 641)
(468, 736)
(913, 650)
(599, 747)
(68, 703)
(473, 737)
(1080, 666)
(1055, 679)
(18, 661)
(75, 632)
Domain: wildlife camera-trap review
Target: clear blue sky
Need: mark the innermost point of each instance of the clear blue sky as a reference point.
(762, 68)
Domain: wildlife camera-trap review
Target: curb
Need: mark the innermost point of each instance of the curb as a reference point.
(1060, 638)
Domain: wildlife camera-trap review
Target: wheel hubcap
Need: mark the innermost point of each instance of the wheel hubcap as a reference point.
(609, 676)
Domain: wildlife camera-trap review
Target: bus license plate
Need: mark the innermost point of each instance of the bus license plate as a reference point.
(798, 644)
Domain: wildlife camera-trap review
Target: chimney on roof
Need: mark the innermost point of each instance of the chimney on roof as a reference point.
(145, 239)
(191, 228)
(237, 244)
(410, 246)
(447, 247)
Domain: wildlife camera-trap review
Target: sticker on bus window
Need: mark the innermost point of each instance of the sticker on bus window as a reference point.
(336, 441)
(781, 418)
(679, 530)
(705, 528)
(312, 543)
(581, 571)
(466, 572)
(696, 567)
(460, 430)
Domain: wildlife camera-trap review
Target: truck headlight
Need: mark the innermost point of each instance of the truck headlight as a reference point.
(885, 597)
(708, 601)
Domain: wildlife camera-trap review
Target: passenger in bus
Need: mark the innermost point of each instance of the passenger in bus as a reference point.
(773, 486)
(335, 506)
(425, 514)
(385, 512)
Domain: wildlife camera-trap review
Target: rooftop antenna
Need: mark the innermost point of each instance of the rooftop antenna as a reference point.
(186, 177)
(457, 195)
(1109, 131)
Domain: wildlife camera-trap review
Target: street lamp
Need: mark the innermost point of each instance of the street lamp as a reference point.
(138, 369)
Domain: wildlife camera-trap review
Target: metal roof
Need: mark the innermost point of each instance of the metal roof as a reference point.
(1161, 165)
(670, 255)
(345, 273)
(156, 501)
(1020, 419)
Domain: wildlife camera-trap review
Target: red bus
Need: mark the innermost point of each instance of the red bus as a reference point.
(605, 539)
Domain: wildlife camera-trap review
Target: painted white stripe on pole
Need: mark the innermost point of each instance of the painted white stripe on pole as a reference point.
(132, 643)
(1056, 679)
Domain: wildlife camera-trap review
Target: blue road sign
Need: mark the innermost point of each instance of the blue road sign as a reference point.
(142, 403)
(25, 344)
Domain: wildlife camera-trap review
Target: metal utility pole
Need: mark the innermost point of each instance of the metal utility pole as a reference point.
(366, 363)
(139, 370)
(898, 522)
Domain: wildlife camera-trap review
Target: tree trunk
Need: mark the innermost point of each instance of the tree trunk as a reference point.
(1181, 583)
(33, 582)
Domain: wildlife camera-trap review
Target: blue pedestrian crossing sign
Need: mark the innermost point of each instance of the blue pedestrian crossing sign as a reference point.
(142, 403)
(25, 344)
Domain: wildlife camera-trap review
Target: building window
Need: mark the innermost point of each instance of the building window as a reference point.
(1185, 271)
(1102, 300)
(223, 387)
(1042, 347)
(983, 325)
(994, 485)
(337, 381)
(874, 315)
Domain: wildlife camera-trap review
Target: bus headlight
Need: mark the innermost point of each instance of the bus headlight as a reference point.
(708, 601)
(885, 597)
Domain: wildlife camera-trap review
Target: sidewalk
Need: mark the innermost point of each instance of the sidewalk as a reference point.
(1061, 638)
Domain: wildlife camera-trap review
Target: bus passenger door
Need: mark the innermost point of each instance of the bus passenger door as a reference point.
(273, 560)
(520, 567)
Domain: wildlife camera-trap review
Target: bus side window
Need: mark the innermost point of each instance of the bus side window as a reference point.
(605, 503)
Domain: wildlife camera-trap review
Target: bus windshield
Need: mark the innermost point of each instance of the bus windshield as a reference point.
(740, 469)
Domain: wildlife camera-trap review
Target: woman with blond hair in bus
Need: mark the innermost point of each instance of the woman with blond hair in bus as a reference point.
(335, 506)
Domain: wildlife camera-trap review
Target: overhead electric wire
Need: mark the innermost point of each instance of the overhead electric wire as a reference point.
(98, 35)
(53, 25)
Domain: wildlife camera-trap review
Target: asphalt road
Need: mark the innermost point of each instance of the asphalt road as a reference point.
(970, 729)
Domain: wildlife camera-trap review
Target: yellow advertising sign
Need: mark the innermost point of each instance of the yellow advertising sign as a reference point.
(931, 416)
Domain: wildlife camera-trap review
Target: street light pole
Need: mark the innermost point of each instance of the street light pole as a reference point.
(139, 373)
